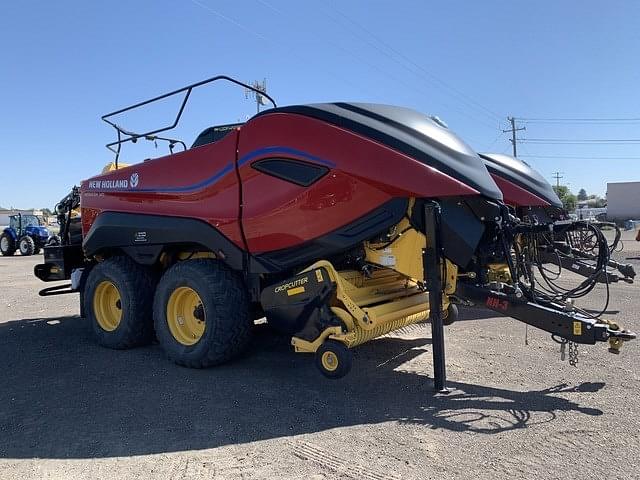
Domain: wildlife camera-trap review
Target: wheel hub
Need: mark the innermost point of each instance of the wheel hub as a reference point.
(107, 306)
(186, 316)
(329, 361)
(4, 244)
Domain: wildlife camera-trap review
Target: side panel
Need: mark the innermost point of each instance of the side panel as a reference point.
(517, 196)
(363, 175)
(144, 236)
(199, 183)
(521, 182)
(340, 240)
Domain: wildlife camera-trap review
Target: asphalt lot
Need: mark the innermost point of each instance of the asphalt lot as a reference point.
(70, 409)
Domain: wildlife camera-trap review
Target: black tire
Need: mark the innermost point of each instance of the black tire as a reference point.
(36, 250)
(7, 245)
(223, 313)
(135, 285)
(26, 245)
(334, 359)
(451, 315)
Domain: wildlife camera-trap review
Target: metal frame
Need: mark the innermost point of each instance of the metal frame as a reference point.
(150, 135)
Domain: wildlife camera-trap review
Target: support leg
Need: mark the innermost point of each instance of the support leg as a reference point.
(431, 259)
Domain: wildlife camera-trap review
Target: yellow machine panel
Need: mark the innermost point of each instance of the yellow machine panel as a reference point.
(402, 253)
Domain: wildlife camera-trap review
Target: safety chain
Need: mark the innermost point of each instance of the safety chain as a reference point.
(573, 354)
(573, 350)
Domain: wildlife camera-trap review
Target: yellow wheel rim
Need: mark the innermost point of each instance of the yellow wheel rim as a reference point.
(185, 316)
(329, 361)
(107, 306)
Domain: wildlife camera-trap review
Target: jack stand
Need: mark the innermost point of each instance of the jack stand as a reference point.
(431, 264)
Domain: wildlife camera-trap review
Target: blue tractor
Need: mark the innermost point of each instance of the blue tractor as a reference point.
(24, 233)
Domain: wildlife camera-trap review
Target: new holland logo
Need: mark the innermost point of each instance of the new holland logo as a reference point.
(116, 184)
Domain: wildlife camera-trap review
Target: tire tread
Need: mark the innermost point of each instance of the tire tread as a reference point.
(230, 300)
(139, 280)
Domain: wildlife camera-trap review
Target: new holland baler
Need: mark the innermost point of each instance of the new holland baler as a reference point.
(338, 222)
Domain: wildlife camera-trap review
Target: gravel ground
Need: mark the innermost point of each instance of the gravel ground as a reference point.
(70, 409)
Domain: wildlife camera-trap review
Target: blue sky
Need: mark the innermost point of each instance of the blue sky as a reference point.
(66, 63)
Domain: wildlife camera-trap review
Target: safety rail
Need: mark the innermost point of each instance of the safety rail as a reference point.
(151, 135)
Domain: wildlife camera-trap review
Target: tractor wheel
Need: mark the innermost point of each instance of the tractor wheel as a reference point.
(26, 245)
(118, 300)
(201, 313)
(450, 315)
(334, 359)
(7, 245)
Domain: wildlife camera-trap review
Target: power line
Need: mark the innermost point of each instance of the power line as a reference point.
(431, 77)
(230, 20)
(579, 157)
(468, 112)
(271, 41)
(263, 37)
(377, 67)
(557, 176)
(568, 141)
(594, 120)
(486, 149)
(513, 130)
(373, 66)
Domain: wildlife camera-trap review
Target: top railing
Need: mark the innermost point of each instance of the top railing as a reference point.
(152, 134)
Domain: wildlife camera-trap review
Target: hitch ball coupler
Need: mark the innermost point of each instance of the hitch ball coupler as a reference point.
(614, 345)
(617, 338)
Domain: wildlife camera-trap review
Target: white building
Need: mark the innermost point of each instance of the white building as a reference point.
(590, 213)
(6, 213)
(623, 201)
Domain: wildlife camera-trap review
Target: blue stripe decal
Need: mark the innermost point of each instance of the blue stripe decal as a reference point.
(229, 168)
(196, 186)
(287, 150)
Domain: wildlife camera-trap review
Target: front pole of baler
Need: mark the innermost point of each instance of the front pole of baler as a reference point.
(431, 264)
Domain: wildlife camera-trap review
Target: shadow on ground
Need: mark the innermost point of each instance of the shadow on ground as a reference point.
(62, 396)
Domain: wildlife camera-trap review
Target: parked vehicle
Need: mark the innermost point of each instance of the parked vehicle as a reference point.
(25, 233)
(339, 222)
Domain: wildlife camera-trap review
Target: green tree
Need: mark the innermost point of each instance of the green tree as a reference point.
(46, 213)
(582, 195)
(567, 198)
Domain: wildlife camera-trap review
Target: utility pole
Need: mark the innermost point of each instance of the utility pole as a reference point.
(513, 130)
(557, 176)
(261, 87)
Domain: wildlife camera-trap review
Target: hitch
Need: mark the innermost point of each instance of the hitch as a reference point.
(617, 337)
(575, 262)
(553, 318)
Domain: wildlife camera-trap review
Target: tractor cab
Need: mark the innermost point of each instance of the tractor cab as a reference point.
(23, 223)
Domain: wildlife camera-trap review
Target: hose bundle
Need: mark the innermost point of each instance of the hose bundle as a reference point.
(544, 287)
